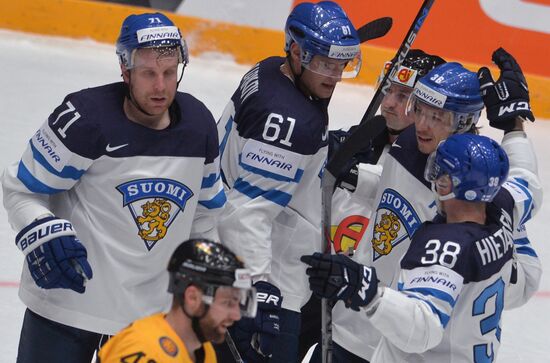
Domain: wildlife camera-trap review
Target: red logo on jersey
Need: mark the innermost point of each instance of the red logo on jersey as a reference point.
(349, 233)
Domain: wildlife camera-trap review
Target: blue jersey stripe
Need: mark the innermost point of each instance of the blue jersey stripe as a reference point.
(522, 241)
(68, 172)
(223, 142)
(526, 251)
(275, 196)
(33, 184)
(209, 181)
(443, 318)
(217, 202)
(528, 203)
(267, 174)
(431, 292)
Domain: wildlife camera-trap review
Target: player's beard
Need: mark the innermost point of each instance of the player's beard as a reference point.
(211, 330)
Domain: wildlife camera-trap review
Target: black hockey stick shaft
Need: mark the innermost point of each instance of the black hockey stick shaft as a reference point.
(233, 347)
(375, 29)
(351, 146)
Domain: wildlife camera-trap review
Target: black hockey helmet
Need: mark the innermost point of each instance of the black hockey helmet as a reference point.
(210, 265)
(416, 65)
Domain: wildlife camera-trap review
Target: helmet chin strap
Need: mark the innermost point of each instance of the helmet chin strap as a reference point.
(195, 320)
(439, 198)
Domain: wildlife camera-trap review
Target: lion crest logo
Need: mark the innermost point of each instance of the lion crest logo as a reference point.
(396, 220)
(153, 219)
(159, 200)
(386, 230)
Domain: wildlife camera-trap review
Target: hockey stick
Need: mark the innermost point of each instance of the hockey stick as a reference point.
(233, 347)
(375, 29)
(365, 132)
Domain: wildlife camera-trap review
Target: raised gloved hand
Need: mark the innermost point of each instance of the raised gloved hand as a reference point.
(55, 257)
(337, 277)
(255, 337)
(508, 97)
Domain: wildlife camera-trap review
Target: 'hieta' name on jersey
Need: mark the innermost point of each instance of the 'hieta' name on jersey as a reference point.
(250, 83)
(496, 246)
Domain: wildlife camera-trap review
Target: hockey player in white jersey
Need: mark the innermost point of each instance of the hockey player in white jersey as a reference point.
(108, 186)
(404, 198)
(451, 289)
(273, 136)
(352, 203)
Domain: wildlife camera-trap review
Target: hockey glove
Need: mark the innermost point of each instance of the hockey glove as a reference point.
(255, 337)
(348, 178)
(509, 96)
(337, 277)
(55, 257)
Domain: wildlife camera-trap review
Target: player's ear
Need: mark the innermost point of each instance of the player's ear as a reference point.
(125, 73)
(193, 298)
(295, 53)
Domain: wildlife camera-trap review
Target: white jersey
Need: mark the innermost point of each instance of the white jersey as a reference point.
(404, 200)
(273, 149)
(452, 287)
(133, 194)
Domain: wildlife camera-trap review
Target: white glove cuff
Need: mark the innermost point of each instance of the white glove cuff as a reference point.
(44, 232)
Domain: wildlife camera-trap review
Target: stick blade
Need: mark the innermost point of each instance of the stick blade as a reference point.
(375, 29)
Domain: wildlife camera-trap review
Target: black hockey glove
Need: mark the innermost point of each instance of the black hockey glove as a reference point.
(337, 277)
(55, 257)
(509, 96)
(348, 178)
(255, 337)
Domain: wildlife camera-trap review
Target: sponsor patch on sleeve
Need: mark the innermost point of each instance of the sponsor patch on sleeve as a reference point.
(433, 277)
(51, 148)
(271, 159)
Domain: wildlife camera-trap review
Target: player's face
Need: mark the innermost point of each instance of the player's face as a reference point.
(432, 125)
(223, 312)
(322, 84)
(153, 80)
(393, 107)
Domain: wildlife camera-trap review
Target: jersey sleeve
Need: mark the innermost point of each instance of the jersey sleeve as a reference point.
(414, 317)
(212, 196)
(55, 159)
(527, 271)
(523, 181)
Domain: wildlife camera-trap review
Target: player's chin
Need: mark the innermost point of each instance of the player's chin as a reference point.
(325, 90)
(426, 145)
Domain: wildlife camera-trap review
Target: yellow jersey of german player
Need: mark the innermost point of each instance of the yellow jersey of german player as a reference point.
(151, 339)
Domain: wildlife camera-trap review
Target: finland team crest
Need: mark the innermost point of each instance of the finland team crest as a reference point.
(154, 205)
(395, 221)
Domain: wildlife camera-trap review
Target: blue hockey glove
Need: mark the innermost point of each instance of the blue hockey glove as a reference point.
(55, 257)
(509, 96)
(255, 337)
(337, 277)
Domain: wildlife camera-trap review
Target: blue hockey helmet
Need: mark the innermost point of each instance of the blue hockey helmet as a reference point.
(451, 87)
(324, 29)
(477, 166)
(149, 30)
